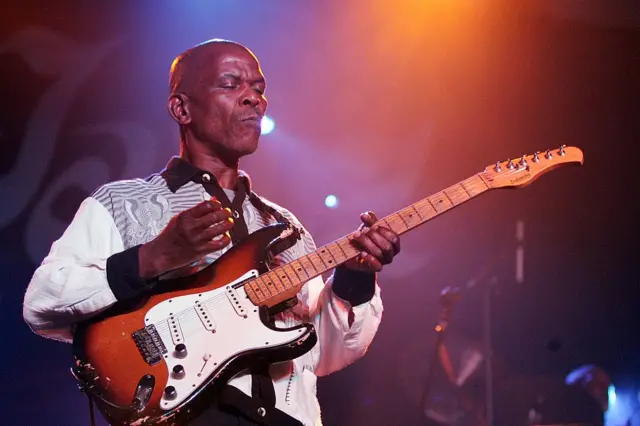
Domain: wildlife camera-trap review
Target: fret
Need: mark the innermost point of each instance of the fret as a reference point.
(397, 226)
(300, 270)
(255, 285)
(269, 283)
(440, 202)
(427, 211)
(273, 276)
(469, 193)
(251, 294)
(326, 257)
(284, 276)
(474, 185)
(308, 265)
(349, 250)
(410, 218)
(266, 290)
(317, 262)
(336, 252)
(413, 207)
(291, 273)
(274, 288)
(456, 194)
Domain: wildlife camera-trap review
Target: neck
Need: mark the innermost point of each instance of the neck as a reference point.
(225, 170)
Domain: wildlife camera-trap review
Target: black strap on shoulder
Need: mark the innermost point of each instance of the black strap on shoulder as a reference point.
(265, 208)
(262, 389)
(239, 230)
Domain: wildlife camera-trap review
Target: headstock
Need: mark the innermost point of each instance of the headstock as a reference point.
(524, 170)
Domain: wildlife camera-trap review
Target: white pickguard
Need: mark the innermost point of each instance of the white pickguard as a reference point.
(214, 326)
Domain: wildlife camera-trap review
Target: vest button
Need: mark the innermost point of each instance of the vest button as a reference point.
(262, 412)
(206, 177)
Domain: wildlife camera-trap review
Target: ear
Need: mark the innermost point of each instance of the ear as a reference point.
(178, 106)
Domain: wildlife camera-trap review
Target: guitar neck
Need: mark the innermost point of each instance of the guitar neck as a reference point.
(284, 281)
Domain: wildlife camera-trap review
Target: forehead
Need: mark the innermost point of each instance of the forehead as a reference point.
(235, 61)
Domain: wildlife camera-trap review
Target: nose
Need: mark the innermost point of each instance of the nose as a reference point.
(250, 98)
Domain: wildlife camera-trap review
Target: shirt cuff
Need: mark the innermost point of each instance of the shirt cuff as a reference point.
(123, 274)
(356, 287)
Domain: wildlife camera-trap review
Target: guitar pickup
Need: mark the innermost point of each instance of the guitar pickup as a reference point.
(205, 316)
(234, 299)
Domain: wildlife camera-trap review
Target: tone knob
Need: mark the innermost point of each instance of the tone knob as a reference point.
(178, 371)
(170, 392)
(181, 350)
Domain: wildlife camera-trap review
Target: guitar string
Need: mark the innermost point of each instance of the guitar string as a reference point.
(473, 184)
(392, 219)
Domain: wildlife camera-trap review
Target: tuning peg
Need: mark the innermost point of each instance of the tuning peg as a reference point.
(523, 161)
(535, 158)
(548, 155)
(510, 165)
(561, 151)
(497, 167)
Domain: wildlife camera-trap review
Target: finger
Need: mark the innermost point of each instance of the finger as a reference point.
(385, 246)
(390, 236)
(370, 261)
(365, 243)
(212, 218)
(368, 218)
(217, 244)
(216, 230)
(203, 208)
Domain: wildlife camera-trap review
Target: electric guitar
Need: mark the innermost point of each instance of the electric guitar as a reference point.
(158, 361)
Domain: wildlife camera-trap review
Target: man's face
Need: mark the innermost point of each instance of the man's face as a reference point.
(228, 103)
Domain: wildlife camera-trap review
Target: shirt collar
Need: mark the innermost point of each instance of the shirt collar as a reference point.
(179, 171)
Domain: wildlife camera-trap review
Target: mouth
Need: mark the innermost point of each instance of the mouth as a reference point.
(252, 119)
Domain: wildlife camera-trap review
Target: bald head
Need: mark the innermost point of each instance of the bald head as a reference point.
(217, 98)
(192, 66)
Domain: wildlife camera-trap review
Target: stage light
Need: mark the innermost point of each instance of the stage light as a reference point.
(612, 394)
(331, 201)
(267, 125)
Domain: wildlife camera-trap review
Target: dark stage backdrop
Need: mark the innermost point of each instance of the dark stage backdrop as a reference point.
(380, 105)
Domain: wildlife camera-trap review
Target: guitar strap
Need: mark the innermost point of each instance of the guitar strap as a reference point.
(263, 394)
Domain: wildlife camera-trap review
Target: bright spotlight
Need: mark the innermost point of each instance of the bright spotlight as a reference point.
(612, 394)
(331, 201)
(267, 125)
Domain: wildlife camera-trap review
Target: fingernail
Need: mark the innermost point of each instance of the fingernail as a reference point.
(231, 220)
(228, 234)
(365, 229)
(357, 234)
(228, 209)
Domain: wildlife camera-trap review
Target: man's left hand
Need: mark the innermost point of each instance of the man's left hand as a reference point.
(379, 246)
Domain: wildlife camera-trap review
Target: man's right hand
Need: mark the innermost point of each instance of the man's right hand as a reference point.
(187, 237)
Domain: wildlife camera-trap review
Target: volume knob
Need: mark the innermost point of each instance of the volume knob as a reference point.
(178, 371)
(181, 350)
(170, 392)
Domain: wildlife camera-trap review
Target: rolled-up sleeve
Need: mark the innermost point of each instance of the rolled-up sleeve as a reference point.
(71, 283)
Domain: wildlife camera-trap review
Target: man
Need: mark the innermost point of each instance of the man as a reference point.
(129, 234)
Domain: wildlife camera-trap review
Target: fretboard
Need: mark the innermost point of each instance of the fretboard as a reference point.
(272, 287)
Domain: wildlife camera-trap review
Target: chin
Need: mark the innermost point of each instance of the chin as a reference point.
(246, 147)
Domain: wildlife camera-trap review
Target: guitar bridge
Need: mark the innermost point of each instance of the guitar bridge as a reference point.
(149, 344)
